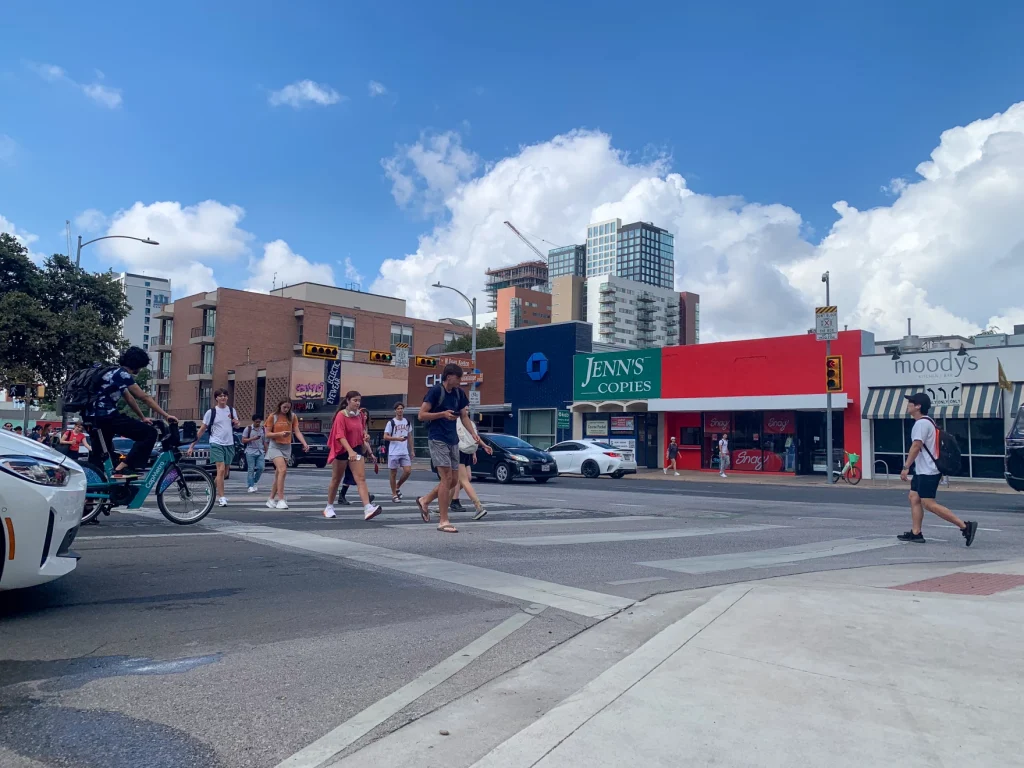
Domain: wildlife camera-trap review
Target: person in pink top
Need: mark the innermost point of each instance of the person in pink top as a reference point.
(346, 450)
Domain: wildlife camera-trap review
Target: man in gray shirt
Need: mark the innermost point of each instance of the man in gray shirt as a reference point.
(254, 439)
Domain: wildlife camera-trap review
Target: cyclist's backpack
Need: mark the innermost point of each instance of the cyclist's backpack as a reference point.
(948, 460)
(83, 387)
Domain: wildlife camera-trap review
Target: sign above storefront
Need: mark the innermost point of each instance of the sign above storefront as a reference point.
(623, 423)
(633, 375)
(597, 428)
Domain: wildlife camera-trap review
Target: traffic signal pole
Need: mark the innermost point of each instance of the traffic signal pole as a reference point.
(828, 397)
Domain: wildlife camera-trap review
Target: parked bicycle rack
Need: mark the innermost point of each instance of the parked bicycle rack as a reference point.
(886, 467)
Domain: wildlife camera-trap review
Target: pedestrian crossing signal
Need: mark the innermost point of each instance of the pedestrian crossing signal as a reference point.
(834, 373)
(320, 351)
(384, 358)
(426, 362)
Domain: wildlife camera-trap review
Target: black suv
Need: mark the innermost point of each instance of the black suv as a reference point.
(512, 458)
(317, 453)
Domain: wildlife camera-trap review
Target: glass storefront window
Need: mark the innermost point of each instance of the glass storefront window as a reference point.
(987, 437)
(538, 427)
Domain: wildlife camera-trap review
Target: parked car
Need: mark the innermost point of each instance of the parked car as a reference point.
(42, 495)
(122, 445)
(1015, 454)
(317, 453)
(592, 458)
(512, 458)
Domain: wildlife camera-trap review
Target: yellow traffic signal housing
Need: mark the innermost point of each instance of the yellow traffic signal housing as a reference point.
(383, 358)
(426, 362)
(319, 351)
(834, 373)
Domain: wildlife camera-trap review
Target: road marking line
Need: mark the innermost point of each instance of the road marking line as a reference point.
(575, 521)
(595, 605)
(624, 582)
(359, 725)
(766, 558)
(613, 504)
(602, 538)
(847, 519)
(144, 535)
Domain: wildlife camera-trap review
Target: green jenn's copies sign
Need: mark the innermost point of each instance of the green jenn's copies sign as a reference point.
(633, 375)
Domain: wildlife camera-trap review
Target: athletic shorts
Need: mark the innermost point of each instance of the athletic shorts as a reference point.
(279, 451)
(925, 485)
(222, 454)
(444, 455)
(394, 462)
(466, 459)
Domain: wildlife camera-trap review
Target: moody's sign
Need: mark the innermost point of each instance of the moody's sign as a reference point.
(936, 366)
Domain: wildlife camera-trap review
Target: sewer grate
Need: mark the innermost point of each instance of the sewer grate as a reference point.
(966, 584)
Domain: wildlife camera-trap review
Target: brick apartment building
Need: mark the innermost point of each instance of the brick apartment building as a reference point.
(521, 307)
(250, 343)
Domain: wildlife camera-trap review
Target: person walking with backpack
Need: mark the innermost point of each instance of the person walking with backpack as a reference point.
(282, 428)
(254, 438)
(398, 440)
(220, 422)
(926, 456)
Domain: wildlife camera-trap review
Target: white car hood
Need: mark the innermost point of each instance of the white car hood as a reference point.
(13, 445)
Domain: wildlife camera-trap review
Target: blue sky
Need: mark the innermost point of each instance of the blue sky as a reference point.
(800, 106)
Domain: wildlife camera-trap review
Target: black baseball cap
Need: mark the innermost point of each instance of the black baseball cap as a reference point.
(921, 399)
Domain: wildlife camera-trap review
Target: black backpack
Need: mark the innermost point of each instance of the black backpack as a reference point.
(948, 460)
(84, 386)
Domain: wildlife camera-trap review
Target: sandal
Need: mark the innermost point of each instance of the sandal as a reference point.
(447, 528)
(424, 510)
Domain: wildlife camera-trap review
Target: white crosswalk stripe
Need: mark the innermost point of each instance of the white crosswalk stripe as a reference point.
(617, 536)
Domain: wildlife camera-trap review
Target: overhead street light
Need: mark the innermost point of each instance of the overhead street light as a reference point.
(81, 245)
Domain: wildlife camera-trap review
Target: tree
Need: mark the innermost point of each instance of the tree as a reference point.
(486, 338)
(54, 319)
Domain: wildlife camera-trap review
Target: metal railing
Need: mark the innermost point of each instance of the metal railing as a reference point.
(885, 465)
(200, 368)
(203, 330)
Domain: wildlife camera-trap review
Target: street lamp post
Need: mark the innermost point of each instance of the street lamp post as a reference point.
(828, 392)
(472, 307)
(81, 245)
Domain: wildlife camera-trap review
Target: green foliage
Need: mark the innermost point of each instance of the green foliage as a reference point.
(54, 319)
(486, 338)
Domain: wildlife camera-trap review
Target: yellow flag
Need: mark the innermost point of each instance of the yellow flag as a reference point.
(1004, 383)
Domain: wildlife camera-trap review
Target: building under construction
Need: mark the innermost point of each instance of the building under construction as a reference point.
(528, 274)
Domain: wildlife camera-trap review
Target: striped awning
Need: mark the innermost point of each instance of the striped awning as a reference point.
(977, 401)
(1018, 389)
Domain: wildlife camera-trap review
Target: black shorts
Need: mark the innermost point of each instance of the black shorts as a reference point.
(925, 485)
(466, 459)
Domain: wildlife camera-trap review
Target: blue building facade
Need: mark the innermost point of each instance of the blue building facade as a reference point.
(539, 379)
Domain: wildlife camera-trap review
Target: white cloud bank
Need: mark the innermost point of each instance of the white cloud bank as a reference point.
(303, 93)
(103, 95)
(25, 238)
(948, 251)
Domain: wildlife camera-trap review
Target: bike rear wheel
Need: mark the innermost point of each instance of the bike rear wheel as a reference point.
(185, 494)
(853, 476)
(95, 477)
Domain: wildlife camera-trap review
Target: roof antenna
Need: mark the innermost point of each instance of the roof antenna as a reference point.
(275, 282)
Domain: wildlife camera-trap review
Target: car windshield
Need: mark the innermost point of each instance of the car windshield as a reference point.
(1017, 431)
(508, 441)
(315, 438)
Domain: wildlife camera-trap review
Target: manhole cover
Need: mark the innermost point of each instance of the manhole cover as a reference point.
(966, 584)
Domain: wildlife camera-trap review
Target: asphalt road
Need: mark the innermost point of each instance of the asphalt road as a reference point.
(241, 641)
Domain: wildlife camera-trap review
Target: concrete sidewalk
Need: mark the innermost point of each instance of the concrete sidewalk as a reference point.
(865, 667)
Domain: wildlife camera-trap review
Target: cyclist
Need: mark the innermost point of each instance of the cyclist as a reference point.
(103, 414)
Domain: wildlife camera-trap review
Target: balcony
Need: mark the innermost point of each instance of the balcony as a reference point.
(202, 335)
(200, 372)
(165, 312)
(160, 344)
(162, 375)
(209, 301)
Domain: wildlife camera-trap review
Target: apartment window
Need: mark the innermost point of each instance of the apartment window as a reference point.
(450, 336)
(164, 365)
(206, 358)
(147, 283)
(341, 331)
(401, 334)
(147, 310)
(299, 326)
(149, 302)
(168, 332)
(163, 396)
(205, 390)
(149, 293)
(537, 427)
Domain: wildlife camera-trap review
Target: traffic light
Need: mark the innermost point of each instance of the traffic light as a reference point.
(384, 358)
(426, 362)
(320, 351)
(834, 373)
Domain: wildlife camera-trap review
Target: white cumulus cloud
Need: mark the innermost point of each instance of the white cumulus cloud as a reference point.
(351, 272)
(279, 266)
(304, 92)
(948, 251)
(376, 89)
(104, 95)
(90, 220)
(23, 237)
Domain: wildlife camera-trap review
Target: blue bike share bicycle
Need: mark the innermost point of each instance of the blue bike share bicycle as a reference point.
(184, 494)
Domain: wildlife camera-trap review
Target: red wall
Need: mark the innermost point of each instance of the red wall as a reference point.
(785, 365)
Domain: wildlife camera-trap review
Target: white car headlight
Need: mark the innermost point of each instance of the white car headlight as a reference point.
(518, 457)
(39, 471)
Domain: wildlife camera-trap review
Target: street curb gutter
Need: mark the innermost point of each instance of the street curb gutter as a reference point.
(530, 745)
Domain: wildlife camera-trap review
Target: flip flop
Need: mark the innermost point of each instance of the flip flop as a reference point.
(448, 528)
(424, 511)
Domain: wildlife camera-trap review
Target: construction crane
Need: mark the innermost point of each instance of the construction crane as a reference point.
(522, 237)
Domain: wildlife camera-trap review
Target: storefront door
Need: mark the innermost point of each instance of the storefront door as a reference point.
(811, 441)
(653, 444)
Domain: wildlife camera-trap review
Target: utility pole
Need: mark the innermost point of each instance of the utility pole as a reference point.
(828, 393)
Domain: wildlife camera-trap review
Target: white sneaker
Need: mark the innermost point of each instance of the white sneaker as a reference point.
(329, 511)
(721, 474)
(677, 474)
(370, 511)
(222, 502)
(252, 489)
(271, 504)
(282, 504)
(665, 471)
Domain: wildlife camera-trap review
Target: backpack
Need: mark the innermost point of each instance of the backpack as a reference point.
(84, 386)
(213, 417)
(466, 442)
(948, 460)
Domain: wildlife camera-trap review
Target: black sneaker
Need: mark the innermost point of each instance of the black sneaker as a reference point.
(456, 506)
(916, 538)
(969, 531)
(343, 502)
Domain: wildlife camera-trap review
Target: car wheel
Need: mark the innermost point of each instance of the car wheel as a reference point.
(618, 475)
(242, 463)
(321, 464)
(541, 479)
(503, 472)
(591, 470)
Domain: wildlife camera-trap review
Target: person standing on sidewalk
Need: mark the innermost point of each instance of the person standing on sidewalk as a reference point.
(349, 451)
(673, 454)
(254, 438)
(723, 454)
(925, 484)
(282, 428)
(398, 439)
(443, 405)
(220, 421)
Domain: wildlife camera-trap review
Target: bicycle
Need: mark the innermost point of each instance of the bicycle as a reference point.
(185, 494)
(850, 471)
